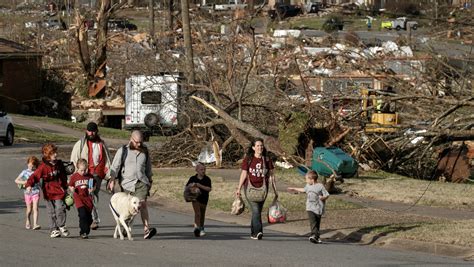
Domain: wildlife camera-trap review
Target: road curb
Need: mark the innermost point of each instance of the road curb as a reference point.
(382, 240)
(428, 247)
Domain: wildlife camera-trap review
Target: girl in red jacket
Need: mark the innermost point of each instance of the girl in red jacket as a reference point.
(52, 175)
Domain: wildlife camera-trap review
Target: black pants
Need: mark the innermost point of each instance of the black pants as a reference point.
(85, 220)
(314, 222)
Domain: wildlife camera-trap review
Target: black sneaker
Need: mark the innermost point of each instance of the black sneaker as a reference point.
(84, 236)
(197, 232)
(150, 233)
(259, 235)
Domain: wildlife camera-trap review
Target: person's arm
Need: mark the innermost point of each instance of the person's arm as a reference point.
(34, 178)
(148, 171)
(19, 179)
(243, 177)
(75, 154)
(108, 161)
(204, 187)
(296, 190)
(273, 182)
(325, 194)
(115, 167)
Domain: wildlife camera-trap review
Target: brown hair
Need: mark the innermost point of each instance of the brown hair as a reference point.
(312, 175)
(48, 150)
(33, 160)
(82, 162)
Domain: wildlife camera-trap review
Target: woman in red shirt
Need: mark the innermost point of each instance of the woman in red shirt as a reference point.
(257, 173)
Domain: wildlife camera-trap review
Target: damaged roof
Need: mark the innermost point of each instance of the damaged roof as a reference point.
(10, 49)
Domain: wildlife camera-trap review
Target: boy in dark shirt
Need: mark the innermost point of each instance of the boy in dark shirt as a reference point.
(203, 182)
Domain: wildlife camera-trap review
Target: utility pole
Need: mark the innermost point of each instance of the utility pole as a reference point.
(188, 44)
(152, 20)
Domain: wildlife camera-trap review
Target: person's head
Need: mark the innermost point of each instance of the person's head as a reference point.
(311, 177)
(50, 152)
(32, 163)
(136, 140)
(81, 166)
(257, 148)
(200, 170)
(92, 131)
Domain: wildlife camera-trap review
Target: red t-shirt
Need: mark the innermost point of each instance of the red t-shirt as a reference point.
(82, 198)
(257, 171)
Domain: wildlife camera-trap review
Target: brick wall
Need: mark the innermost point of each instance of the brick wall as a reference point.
(21, 82)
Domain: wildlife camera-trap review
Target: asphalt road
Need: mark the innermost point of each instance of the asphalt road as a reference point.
(225, 244)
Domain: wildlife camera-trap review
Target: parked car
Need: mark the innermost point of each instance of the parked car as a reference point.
(400, 23)
(313, 7)
(50, 23)
(121, 25)
(55, 24)
(7, 130)
(285, 11)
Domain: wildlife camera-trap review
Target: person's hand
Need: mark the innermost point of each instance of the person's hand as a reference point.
(28, 189)
(237, 193)
(111, 185)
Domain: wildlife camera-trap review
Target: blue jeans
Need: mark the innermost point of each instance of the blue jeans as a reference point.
(256, 223)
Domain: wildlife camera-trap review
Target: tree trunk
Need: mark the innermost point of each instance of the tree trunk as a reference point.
(169, 14)
(234, 125)
(187, 41)
(101, 36)
(152, 19)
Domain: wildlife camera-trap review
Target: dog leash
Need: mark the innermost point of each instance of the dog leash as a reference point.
(112, 208)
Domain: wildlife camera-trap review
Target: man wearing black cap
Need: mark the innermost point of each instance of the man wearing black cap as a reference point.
(93, 149)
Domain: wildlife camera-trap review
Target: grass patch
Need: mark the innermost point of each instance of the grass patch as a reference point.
(27, 135)
(396, 188)
(452, 232)
(103, 131)
(221, 197)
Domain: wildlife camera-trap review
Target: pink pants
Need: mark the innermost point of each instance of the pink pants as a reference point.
(30, 198)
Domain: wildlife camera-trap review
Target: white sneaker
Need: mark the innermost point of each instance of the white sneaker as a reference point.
(55, 233)
(64, 231)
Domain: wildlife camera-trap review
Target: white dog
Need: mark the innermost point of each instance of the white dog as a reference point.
(124, 207)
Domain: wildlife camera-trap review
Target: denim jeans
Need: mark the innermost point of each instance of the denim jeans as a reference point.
(256, 223)
(95, 212)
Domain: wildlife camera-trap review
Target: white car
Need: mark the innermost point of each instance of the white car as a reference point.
(7, 131)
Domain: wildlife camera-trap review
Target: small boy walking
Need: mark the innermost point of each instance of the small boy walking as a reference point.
(82, 184)
(316, 196)
(203, 182)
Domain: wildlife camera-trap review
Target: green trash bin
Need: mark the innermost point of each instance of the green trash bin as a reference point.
(327, 160)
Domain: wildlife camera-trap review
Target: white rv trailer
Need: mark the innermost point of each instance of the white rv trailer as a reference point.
(151, 103)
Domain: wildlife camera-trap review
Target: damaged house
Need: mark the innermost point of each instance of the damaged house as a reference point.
(20, 75)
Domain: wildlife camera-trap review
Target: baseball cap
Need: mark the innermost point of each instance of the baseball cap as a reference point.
(92, 127)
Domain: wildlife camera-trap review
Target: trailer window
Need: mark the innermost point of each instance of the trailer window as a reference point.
(151, 97)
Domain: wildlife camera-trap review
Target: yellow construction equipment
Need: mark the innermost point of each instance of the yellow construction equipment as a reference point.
(381, 115)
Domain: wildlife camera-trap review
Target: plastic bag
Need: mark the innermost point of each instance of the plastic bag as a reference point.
(276, 212)
(191, 193)
(238, 206)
